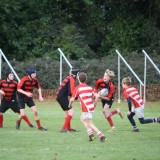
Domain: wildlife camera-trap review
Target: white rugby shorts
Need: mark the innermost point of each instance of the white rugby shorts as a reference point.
(138, 111)
(87, 115)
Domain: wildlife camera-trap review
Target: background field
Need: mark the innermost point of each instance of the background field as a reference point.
(31, 144)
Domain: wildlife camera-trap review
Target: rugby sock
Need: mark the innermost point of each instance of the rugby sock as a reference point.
(26, 119)
(100, 134)
(38, 123)
(90, 132)
(109, 119)
(69, 126)
(1, 120)
(67, 121)
(18, 120)
(154, 119)
(114, 112)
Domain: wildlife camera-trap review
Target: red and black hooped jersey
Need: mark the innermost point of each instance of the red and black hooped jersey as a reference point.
(66, 88)
(100, 84)
(28, 84)
(10, 89)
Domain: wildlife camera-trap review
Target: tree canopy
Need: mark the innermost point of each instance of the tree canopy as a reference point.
(86, 28)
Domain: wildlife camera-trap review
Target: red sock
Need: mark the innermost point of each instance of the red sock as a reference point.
(69, 126)
(100, 134)
(1, 120)
(18, 120)
(109, 119)
(114, 112)
(27, 120)
(67, 122)
(38, 123)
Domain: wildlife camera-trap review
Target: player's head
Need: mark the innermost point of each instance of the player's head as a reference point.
(10, 75)
(108, 75)
(31, 72)
(82, 77)
(126, 82)
(74, 71)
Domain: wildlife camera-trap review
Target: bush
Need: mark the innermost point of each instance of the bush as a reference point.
(48, 70)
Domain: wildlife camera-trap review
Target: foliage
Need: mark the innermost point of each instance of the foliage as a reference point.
(83, 29)
(49, 68)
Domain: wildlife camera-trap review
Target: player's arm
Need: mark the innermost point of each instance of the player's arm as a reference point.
(28, 94)
(70, 102)
(96, 98)
(96, 87)
(129, 103)
(105, 98)
(20, 90)
(40, 95)
(2, 92)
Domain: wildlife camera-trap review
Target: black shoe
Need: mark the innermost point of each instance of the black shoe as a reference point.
(31, 126)
(91, 137)
(158, 119)
(74, 130)
(103, 139)
(18, 125)
(64, 131)
(42, 129)
(135, 130)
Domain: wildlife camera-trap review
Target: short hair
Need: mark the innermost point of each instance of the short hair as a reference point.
(82, 77)
(127, 81)
(110, 73)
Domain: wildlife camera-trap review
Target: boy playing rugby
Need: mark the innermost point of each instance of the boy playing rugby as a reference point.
(85, 95)
(132, 96)
(107, 101)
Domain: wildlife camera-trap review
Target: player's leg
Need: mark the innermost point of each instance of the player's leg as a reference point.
(88, 129)
(140, 114)
(87, 121)
(130, 116)
(30, 103)
(21, 107)
(1, 119)
(117, 111)
(37, 119)
(69, 112)
(14, 108)
(3, 108)
(107, 115)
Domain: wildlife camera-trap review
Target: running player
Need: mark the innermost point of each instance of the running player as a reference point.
(106, 82)
(64, 91)
(132, 96)
(25, 94)
(8, 90)
(85, 95)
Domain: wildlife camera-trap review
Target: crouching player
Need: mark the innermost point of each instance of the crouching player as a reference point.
(132, 96)
(85, 95)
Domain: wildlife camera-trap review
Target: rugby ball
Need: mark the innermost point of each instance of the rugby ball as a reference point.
(104, 92)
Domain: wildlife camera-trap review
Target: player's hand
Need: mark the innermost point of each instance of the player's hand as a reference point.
(28, 94)
(41, 99)
(128, 113)
(2, 93)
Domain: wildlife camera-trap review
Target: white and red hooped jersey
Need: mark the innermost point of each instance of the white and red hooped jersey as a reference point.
(85, 95)
(132, 92)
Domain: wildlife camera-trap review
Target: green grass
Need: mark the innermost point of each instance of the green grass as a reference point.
(31, 144)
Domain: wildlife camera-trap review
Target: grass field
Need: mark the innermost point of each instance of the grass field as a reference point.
(31, 144)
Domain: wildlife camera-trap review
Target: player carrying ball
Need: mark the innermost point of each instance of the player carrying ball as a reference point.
(106, 82)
